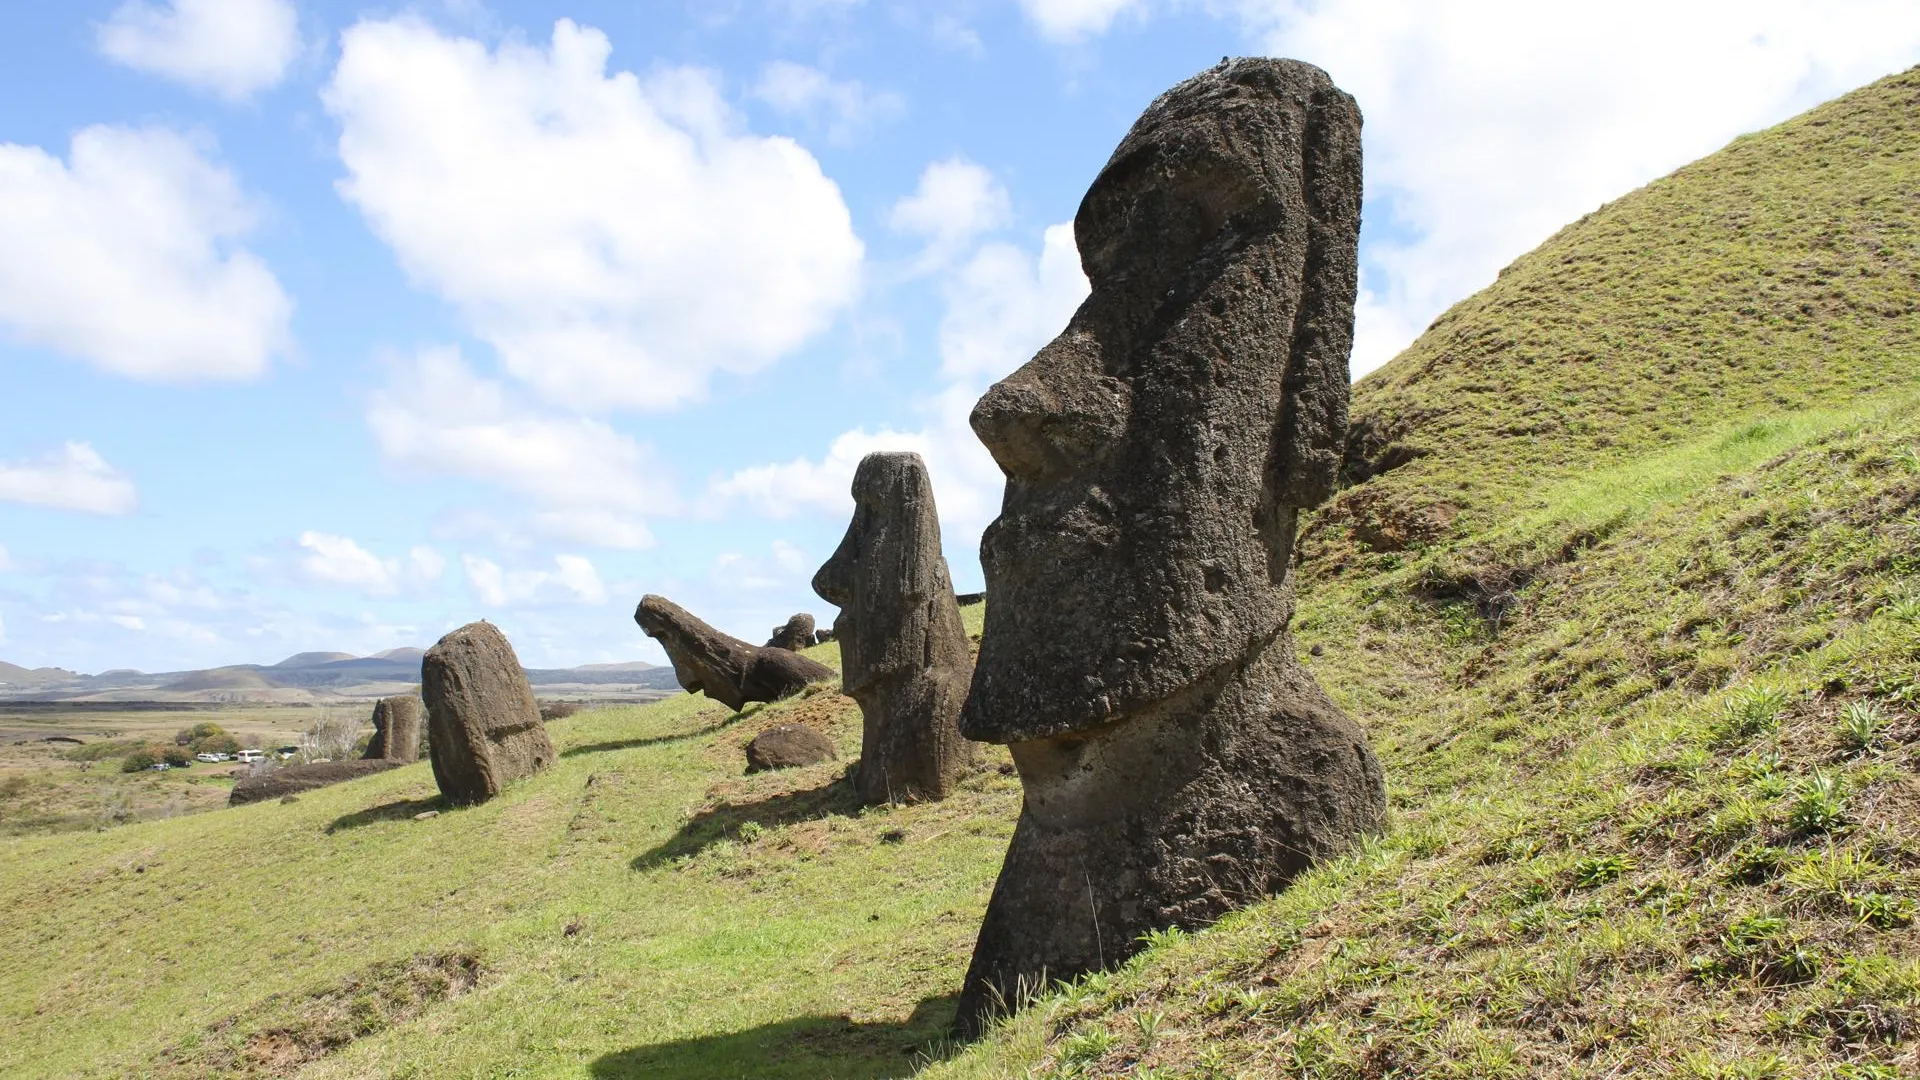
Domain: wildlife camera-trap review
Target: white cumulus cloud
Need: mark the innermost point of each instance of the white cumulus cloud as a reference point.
(1072, 20)
(74, 477)
(128, 256)
(844, 108)
(618, 241)
(589, 483)
(573, 580)
(233, 48)
(339, 560)
(1491, 123)
(955, 202)
(1003, 304)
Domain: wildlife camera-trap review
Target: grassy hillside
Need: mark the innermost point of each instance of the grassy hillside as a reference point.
(641, 909)
(1628, 600)
(1625, 592)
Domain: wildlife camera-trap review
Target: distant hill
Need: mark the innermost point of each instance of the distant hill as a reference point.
(227, 678)
(312, 659)
(404, 655)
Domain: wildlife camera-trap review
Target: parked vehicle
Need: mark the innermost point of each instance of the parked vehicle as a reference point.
(206, 757)
(248, 757)
(159, 766)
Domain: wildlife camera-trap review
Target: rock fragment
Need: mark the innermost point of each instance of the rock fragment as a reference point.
(788, 746)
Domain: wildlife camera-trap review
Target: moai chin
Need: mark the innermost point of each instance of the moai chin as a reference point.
(1177, 760)
(903, 649)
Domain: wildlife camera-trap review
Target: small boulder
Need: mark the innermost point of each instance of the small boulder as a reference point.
(794, 635)
(788, 746)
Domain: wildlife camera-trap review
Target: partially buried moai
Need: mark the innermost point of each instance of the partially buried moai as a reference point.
(1177, 760)
(903, 650)
(396, 729)
(484, 728)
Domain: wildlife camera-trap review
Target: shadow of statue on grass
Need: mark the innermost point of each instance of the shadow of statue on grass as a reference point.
(393, 811)
(802, 1048)
(836, 797)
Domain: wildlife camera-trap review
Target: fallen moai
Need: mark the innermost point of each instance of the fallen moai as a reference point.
(788, 746)
(725, 668)
(903, 650)
(484, 729)
(293, 779)
(396, 729)
(795, 634)
(1177, 760)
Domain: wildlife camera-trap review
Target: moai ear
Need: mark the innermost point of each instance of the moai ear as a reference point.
(1312, 426)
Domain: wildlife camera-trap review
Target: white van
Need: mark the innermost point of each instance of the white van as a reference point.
(248, 757)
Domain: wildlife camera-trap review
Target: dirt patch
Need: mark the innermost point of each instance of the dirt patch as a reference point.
(285, 1032)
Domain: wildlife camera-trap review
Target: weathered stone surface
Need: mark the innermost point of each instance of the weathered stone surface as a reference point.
(396, 729)
(788, 746)
(1177, 760)
(484, 729)
(903, 651)
(282, 782)
(794, 635)
(722, 666)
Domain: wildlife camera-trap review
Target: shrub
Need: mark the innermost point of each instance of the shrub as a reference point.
(144, 758)
(332, 737)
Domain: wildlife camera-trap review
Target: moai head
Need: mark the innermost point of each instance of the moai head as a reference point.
(1158, 450)
(886, 574)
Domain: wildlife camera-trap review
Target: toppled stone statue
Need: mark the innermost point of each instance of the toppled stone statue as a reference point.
(484, 729)
(795, 634)
(903, 651)
(788, 746)
(1177, 760)
(727, 669)
(292, 779)
(396, 729)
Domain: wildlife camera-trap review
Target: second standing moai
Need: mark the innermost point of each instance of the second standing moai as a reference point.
(903, 649)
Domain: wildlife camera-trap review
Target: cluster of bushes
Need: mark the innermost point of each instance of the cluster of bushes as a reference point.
(208, 738)
(152, 754)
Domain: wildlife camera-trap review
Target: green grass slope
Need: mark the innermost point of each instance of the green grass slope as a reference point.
(638, 910)
(1629, 605)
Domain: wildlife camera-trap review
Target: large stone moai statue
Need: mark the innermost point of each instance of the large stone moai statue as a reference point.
(1177, 759)
(484, 729)
(903, 650)
(396, 729)
(726, 668)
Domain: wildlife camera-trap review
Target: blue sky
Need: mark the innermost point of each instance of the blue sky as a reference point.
(333, 326)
